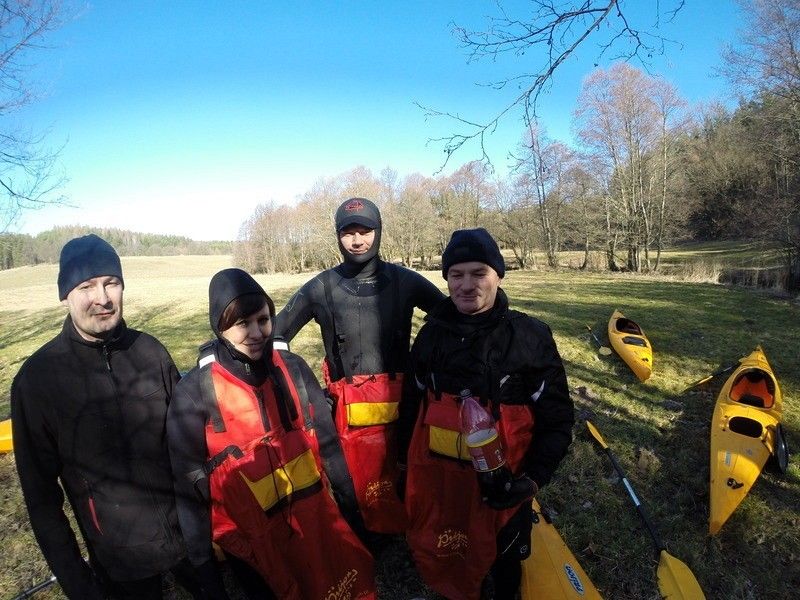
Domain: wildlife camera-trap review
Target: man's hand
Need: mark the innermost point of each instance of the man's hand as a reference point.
(501, 490)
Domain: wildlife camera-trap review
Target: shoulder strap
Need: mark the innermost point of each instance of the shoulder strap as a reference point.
(338, 339)
(389, 337)
(205, 358)
(292, 388)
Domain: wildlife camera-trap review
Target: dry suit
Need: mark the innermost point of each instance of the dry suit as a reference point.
(364, 308)
(250, 442)
(510, 362)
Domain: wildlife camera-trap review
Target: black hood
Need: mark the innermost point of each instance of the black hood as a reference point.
(359, 211)
(225, 287)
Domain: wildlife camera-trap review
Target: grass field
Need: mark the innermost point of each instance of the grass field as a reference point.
(659, 434)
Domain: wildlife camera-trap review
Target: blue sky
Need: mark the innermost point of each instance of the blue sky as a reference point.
(181, 117)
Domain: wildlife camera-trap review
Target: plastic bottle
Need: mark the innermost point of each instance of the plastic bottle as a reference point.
(479, 430)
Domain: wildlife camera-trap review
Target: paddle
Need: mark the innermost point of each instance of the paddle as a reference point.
(675, 579)
(604, 350)
(37, 588)
(710, 377)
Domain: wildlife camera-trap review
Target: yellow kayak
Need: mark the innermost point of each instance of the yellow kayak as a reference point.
(745, 432)
(6, 443)
(551, 572)
(630, 342)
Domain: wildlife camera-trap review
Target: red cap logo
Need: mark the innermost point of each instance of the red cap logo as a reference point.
(354, 205)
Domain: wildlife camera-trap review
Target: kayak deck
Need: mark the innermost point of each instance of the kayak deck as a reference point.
(6, 441)
(746, 417)
(551, 571)
(629, 341)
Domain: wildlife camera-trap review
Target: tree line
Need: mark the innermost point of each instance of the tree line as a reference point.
(648, 172)
(17, 250)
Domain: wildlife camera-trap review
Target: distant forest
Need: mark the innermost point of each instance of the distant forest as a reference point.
(17, 250)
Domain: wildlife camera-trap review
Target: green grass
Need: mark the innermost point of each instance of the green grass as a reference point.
(659, 434)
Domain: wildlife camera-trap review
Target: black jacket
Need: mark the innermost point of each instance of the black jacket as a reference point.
(186, 423)
(93, 415)
(364, 315)
(453, 351)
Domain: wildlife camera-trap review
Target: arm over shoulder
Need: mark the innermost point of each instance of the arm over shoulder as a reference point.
(424, 293)
(298, 311)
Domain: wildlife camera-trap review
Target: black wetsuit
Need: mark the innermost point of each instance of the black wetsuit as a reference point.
(364, 312)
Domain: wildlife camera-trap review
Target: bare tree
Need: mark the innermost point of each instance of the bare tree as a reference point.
(767, 56)
(766, 62)
(627, 119)
(28, 177)
(550, 32)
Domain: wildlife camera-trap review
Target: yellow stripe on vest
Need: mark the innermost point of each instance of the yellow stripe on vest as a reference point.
(448, 442)
(372, 413)
(296, 475)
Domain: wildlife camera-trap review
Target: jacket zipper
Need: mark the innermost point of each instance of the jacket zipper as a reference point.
(92, 508)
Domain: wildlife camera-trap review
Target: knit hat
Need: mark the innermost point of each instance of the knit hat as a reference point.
(225, 287)
(358, 211)
(472, 245)
(84, 258)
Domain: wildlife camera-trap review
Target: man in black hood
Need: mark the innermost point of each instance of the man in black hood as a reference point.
(364, 308)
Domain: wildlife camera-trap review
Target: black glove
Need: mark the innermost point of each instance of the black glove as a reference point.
(501, 490)
(210, 580)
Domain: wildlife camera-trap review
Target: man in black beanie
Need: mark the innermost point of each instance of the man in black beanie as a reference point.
(364, 308)
(88, 412)
(466, 523)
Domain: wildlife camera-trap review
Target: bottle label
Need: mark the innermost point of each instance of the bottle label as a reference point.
(485, 449)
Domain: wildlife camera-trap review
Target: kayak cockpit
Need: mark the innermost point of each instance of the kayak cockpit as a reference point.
(754, 387)
(625, 325)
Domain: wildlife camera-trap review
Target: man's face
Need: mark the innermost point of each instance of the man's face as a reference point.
(473, 287)
(356, 239)
(95, 307)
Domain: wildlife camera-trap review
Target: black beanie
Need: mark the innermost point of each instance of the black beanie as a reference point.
(473, 245)
(358, 211)
(84, 258)
(225, 287)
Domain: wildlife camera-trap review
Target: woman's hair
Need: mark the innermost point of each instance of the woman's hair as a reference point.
(242, 307)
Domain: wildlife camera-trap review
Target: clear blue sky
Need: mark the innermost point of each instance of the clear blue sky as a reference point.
(181, 117)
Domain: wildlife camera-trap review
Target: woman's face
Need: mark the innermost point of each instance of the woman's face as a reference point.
(250, 334)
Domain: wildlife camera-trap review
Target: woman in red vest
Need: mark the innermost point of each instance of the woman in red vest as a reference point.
(252, 446)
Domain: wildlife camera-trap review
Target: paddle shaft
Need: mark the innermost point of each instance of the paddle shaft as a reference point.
(596, 339)
(711, 376)
(639, 507)
(37, 588)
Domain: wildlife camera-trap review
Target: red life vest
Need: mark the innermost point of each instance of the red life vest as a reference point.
(270, 502)
(452, 532)
(365, 413)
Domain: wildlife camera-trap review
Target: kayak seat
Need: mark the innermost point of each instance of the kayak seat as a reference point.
(751, 400)
(754, 388)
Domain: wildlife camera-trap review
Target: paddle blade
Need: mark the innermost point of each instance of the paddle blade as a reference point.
(676, 581)
(605, 350)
